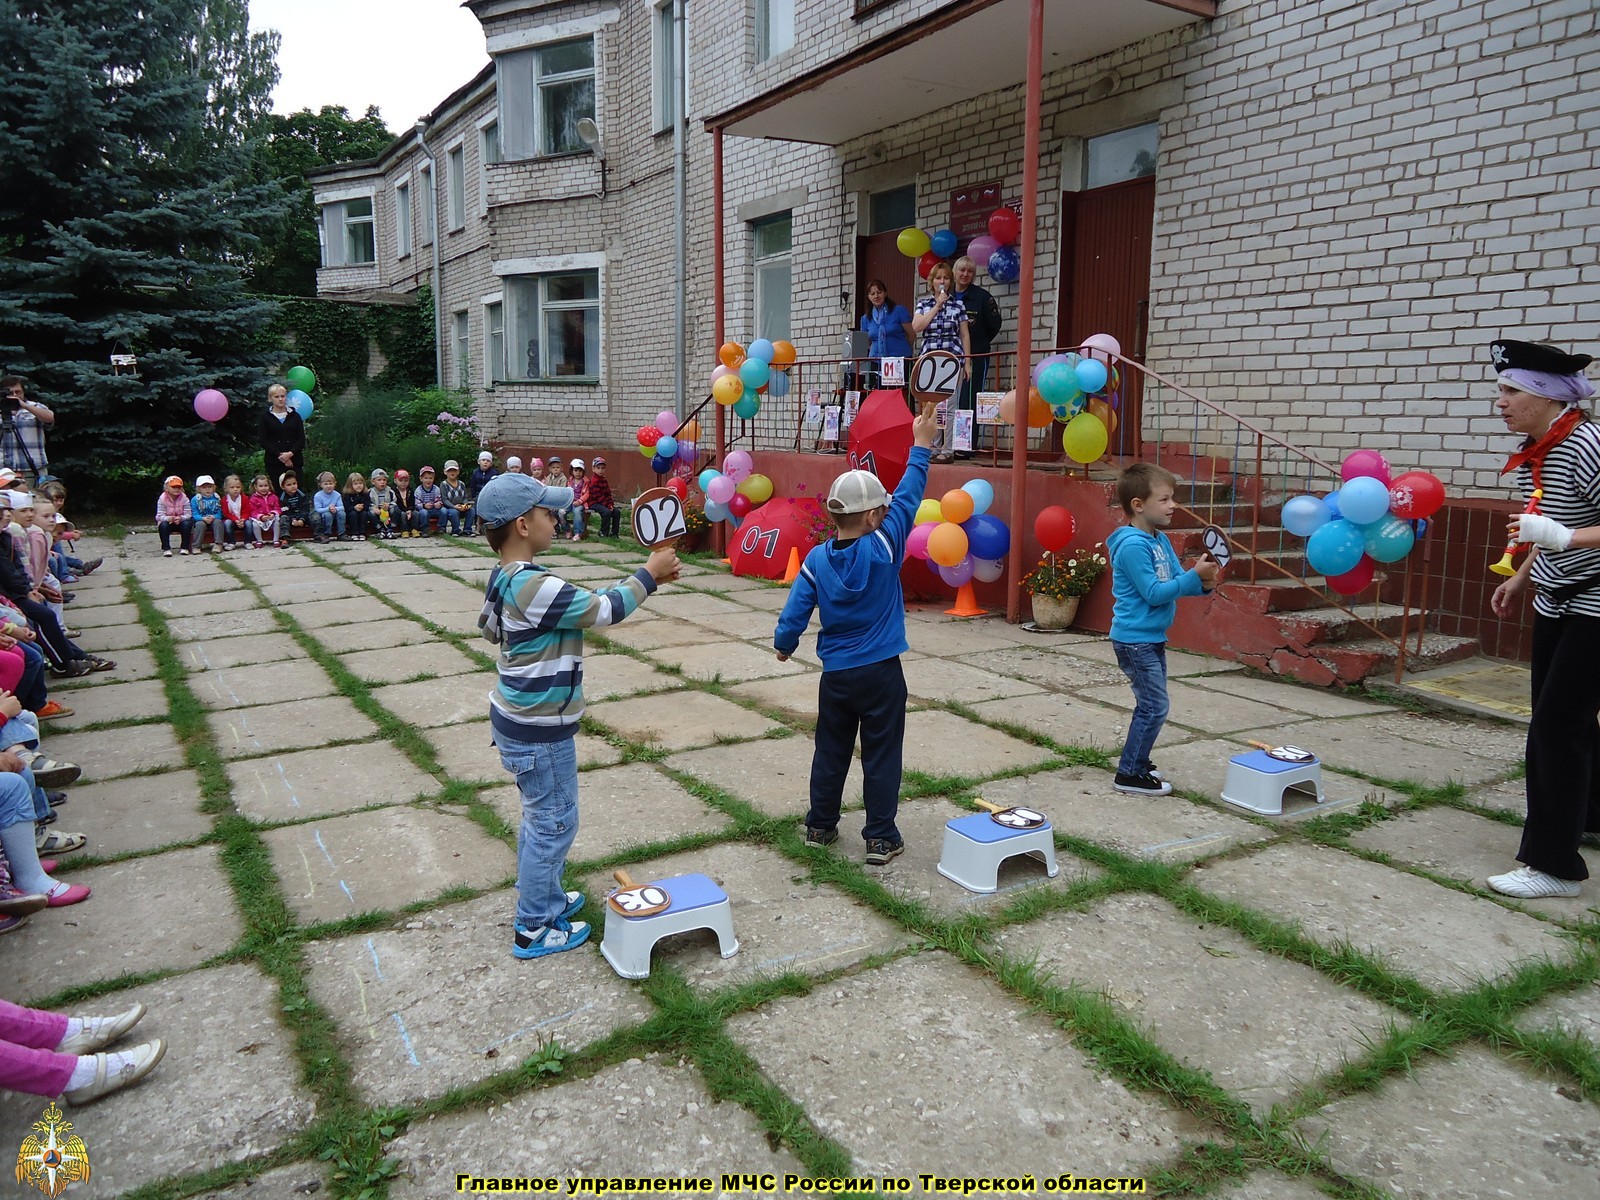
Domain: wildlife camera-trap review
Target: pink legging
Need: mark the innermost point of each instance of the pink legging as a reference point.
(28, 1061)
(12, 664)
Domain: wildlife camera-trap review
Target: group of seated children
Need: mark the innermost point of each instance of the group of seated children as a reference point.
(591, 491)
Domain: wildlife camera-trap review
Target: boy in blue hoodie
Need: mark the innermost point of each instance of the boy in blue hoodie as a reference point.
(854, 580)
(1146, 581)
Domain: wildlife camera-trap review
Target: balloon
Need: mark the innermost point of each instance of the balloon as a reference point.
(667, 422)
(687, 451)
(1100, 411)
(987, 570)
(747, 406)
(731, 355)
(1304, 515)
(678, 488)
(301, 378)
(1415, 494)
(667, 446)
(1365, 463)
(210, 405)
(761, 348)
(981, 249)
(650, 450)
(955, 505)
(987, 536)
(1335, 549)
(778, 385)
(754, 372)
(927, 263)
(957, 575)
(1092, 375)
(917, 540)
(947, 544)
(740, 505)
(727, 390)
(689, 430)
(913, 243)
(943, 243)
(1008, 408)
(982, 493)
(716, 512)
(1058, 382)
(707, 477)
(1363, 500)
(1070, 359)
(1102, 341)
(927, 511)
(721, 489)
(758, 488)
(1085, 438)
(738, 465)
(1354, 580)
(301, 403)
(1005, 265)
(1389, 539)
(783, 353)
(1331, 502)
(1039, 415)
(719, 371)
(660, 464)
(1005, 226)
(1054, 527)
(648, 435)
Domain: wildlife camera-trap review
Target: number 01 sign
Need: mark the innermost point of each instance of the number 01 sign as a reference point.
(658, 517)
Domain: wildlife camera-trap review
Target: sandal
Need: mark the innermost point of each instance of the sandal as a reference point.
(943, 457)
(54, 841)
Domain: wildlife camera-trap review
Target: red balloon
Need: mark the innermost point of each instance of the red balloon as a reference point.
(927, 263)
(648, 435)
(1005, 226)
(678, 487)
(1415, 495)
(740, 505)
(1054, 528)
(1354, 580)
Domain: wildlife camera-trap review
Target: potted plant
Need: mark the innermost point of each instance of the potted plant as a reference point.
(697, 529)
(1059, 582)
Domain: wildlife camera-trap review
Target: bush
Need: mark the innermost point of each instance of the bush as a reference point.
(392, 429)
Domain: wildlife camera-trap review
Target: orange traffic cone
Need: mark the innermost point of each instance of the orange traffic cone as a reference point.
(966, 604)
(792, 571)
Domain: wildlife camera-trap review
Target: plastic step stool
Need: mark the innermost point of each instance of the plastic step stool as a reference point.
(975, 846)
(697, 903)
(1258, 782)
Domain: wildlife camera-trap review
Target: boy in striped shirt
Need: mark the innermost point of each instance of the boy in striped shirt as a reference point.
(537, 619)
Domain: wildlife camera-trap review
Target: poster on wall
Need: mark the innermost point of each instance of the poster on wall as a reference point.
(892, 372)
(961, 435)
(852, 405)
(989, 407)
(813, 408)
(830, 423)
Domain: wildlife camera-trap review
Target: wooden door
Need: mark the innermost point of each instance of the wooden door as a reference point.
(1105, 281)
(878, 257)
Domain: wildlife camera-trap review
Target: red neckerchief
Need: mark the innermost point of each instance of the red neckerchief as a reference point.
(1534, 455)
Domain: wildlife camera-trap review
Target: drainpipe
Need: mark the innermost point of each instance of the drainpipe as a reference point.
(438, 282)
(680, 170)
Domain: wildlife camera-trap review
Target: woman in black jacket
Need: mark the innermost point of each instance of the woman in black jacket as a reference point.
(282, 437)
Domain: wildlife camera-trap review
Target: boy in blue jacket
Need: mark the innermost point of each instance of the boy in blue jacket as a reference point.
(1146, 581)
(854, 580)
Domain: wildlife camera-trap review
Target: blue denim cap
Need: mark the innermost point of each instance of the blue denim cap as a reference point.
(507, 497)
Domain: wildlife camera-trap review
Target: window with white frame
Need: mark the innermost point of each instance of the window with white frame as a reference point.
(402, 219)
(347, 233)
(543, 93)
(460, 333)
(488, 153)
(774, 237)
(455, 174)
(430, 201)
(553, 324)
(494, 342)
(664, 42)
(774, 27)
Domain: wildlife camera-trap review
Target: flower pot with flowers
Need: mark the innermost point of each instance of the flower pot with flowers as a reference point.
(697, 529)
(1060, 581)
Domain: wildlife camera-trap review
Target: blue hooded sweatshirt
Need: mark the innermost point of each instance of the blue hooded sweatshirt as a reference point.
(1146, 581)
(857, 586)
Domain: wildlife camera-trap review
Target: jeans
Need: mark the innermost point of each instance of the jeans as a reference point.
(182, 528)
(547, 777)
(430, 519)
(31, 690)
(1145, 665)
(235, 532)
(330, 522)
(451, 517)
(362, 521)
(872, 699)
(610, 519)
(1563, 755)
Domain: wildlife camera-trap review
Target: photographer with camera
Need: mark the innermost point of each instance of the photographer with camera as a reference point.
(22, 426)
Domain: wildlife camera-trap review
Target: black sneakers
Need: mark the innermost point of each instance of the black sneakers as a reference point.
(821, 837)
(881, 850)
(1145, 784)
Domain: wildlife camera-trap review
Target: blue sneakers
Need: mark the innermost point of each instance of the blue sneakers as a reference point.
(564, 934)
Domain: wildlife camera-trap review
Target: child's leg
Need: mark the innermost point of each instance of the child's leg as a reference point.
(1145, 665)
(164, 532)
(880, 691)
(837, 721)
(547, 777)
(451, 517)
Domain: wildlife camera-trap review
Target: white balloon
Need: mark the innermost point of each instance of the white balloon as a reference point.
(988, 569)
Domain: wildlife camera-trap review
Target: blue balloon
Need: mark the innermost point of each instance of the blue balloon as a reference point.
(1363, 500)
(667, 447)
(1336, 548)
(301, 403)
(778, 384)
(1390, 539)
(1058, 383)
(1420, 525)
(1005, 264)
(747, 405)
(706, 477)
(1331, 503)
(982, 494)
(755, 373)
(1304, 515)
(717, 512)
(943, 243)
(1092, 375)
(660, 464)
(760, 349)
(987, 536)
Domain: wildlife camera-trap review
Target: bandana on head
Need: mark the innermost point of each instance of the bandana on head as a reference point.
(1565, 389)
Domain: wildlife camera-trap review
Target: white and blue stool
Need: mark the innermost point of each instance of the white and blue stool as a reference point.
(1258, 781)
(975, 846)
(659, 910)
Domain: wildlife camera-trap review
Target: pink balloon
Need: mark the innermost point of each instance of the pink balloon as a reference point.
(721, 489)
(1103, 341)
(720, 372)
(210, 405)
(980, 249)
(667, 423)
(738, 465)
(917, 540)
(1365, 462)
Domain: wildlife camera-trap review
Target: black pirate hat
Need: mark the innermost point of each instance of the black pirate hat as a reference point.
(1531, 356)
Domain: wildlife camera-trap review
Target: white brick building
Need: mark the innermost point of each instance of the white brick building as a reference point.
(1349, 199)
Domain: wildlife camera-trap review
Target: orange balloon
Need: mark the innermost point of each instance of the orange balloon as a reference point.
(783, 353)
(1039, 416)
(731, 355)
(690, 432)
(1008, 408)
(955, 505)
(1107, 415)
(947, 544)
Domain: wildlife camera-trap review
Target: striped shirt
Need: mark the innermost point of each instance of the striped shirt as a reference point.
(537, 619)
(1571, 478)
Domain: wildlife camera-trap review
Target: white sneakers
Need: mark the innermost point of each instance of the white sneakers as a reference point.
(1525, 883)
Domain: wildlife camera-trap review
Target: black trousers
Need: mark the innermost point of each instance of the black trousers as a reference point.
(871, 699)
(1563, 745)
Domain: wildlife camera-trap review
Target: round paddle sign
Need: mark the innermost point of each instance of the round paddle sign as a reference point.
(639, 901)
(658, 517)
(1216, 543)
(936, 376)
(1018, 818)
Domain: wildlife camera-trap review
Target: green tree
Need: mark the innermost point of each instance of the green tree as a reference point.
(295, 144)
(128, 211)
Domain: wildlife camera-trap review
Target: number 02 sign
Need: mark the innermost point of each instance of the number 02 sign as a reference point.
(936, 376)
(658, 517)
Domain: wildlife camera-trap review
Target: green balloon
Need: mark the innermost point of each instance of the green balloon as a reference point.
(303, 378)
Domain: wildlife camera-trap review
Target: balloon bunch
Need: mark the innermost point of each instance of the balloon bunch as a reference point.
(958, 536)
(1371, 519)
(928, 249)
(734, 491)
(745, 374)
(302, 382)
(1080, 391)
(666, 442)
(996, 250)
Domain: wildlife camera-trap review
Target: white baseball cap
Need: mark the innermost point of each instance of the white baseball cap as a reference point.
(856, 492)
(485, 457)
(203, 480)
(578, 462)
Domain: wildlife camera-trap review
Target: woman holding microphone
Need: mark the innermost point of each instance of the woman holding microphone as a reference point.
(941, 322)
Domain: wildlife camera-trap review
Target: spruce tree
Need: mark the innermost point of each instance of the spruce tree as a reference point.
(127, 214)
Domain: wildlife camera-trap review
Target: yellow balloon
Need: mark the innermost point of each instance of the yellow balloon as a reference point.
(929, 510)
(1084, 439)
(757, 487)
(727, 390)
(913, 243)
(647, 451)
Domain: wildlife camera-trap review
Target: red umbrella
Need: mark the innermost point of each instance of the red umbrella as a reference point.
(761, 545)
(880, 436)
